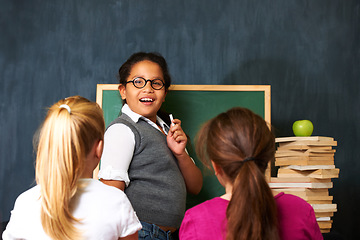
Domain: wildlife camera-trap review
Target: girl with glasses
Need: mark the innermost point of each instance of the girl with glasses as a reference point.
(143, 155)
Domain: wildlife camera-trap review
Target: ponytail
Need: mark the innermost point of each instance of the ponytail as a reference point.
(252, 211)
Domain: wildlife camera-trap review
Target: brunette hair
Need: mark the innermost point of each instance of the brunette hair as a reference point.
(125, 69)
(66, 137)
(228, 140)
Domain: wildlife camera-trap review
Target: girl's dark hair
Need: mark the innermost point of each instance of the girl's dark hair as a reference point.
(125, 69)
(227, 140)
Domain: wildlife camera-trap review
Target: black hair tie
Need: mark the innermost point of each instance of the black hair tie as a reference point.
(248, 159)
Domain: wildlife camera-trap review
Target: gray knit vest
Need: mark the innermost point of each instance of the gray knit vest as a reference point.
(157, 189)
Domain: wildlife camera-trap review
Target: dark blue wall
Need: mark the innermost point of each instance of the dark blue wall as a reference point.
(309, 51)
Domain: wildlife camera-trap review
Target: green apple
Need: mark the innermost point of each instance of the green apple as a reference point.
(303, 128)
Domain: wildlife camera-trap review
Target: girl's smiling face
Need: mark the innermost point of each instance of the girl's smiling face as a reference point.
(144, 101)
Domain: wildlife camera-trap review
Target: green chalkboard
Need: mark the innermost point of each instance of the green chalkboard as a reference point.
(193, 105)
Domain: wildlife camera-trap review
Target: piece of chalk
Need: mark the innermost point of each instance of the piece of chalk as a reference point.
(171, 119)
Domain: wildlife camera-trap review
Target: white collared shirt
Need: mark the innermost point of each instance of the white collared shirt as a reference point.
(119, 145)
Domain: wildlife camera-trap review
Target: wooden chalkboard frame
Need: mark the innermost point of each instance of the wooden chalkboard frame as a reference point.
(240, 88)
(265, 91)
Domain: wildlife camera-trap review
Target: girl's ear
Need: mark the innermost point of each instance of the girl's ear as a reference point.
(99, 148)
(219, 174)
(93, 159)
(217, 169)
(164, 96)
(122, 91)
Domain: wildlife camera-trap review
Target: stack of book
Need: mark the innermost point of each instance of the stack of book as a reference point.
(305, 169)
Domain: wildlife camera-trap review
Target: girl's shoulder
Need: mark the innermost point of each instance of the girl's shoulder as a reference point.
(296, 218)
(290, 199)
(95, 193)
(216, 205)
(95, 187)
(28, 197)
(288, 203)
(205, 221)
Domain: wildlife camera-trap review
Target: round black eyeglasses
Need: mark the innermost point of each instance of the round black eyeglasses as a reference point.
(140, 82)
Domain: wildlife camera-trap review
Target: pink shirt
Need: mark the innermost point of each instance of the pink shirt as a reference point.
(208, 219)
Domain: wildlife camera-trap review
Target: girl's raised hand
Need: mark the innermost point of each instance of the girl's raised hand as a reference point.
(176, 138)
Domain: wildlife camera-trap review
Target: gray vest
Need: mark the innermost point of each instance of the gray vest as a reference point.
(157, 189)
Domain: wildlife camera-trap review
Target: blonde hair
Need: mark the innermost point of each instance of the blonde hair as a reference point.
(65, 139)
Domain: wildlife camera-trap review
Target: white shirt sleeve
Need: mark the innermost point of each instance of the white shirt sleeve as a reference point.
(119, 145)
